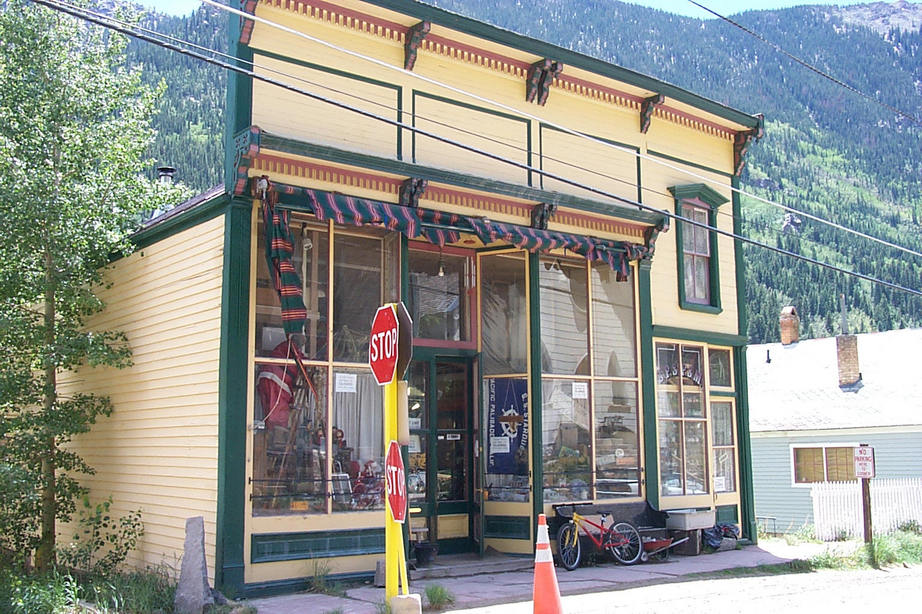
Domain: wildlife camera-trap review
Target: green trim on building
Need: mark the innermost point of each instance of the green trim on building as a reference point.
(648, 383)
(700, 336)
(507, 527)
(472, 107)
(199, 214)
(233, 370)
(665, 156)
(296, 585)
(239, 102)
(349, 75)
(542, 127)
(713, 200)
(272, 547)
(744, 449)
(568, 58)
(397, 167)
(535, 405)
(723, 393)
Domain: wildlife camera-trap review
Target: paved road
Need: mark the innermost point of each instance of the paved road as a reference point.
(897, 589)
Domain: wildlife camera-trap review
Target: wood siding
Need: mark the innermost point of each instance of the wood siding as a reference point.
(897, 455)
(158, 451)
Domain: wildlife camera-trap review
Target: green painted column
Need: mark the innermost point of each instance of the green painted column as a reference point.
(239, 99)
(648, 383)
(744, 448)
(534, 404)
(232, 399)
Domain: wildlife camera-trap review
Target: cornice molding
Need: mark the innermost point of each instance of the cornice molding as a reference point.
(437, 44)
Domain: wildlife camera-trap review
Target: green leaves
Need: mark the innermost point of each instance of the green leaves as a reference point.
(74, 129)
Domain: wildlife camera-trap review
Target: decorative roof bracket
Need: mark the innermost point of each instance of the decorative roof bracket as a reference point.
(743, 140)
(410, 191)
(541, 214)
(651, 234)
(538, 82)
(246, 146)
(412, 41)
(246, 25)
(646, 110)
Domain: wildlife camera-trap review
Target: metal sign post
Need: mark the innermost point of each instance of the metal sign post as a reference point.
(865, 470)
(391, 336)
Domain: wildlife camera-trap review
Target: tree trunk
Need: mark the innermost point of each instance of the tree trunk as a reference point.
(44, 554)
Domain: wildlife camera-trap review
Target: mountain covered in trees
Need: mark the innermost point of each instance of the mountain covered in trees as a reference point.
(827, 151)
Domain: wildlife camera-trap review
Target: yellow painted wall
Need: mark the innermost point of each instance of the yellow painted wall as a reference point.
(158, 451)
(664, 273)
(600, 165)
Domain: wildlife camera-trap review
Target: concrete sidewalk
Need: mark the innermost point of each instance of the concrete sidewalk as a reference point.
(487, 589)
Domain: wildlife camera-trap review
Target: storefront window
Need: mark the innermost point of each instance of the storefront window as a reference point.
(724, 449)
(311, 260)
(617, 453)
(682, 420)
(719, 368)
(564, 317)
(358, 448)
(318, 448)
(357, 294)
(504, 313)
(590, 410)
(613, 333)
(289, 440)
(567, 440)
(439, 295)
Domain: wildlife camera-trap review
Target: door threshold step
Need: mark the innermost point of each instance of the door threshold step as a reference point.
(454, 566)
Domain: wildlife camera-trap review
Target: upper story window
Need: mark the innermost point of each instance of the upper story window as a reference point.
(696, 253)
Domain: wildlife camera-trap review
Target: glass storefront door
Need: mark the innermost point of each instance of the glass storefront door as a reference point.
(440, 479)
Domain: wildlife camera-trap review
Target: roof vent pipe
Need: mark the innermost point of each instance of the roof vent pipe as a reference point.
(165, 174)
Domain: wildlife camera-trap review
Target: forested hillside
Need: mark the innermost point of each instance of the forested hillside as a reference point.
(826, 150)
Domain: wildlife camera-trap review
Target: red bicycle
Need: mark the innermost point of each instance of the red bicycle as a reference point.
(620, 539)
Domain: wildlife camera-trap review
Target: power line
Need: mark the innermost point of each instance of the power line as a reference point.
(809, 66)
(560, 127)
(115, 25)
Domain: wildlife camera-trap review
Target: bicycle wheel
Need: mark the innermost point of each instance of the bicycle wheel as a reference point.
(624, 543)
(568, 546)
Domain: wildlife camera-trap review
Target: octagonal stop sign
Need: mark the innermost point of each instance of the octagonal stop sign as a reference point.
(396, 482)
(382, 345)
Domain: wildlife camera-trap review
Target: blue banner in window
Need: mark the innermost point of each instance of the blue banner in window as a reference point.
(507, 426)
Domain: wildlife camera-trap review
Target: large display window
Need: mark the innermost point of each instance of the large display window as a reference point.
(317, 439)
(590, 411)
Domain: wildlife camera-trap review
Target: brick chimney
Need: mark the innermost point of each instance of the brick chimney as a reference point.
(790, 325)
(847, 352)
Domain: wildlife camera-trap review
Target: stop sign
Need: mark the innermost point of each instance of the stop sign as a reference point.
(395, 482)
(382, 346)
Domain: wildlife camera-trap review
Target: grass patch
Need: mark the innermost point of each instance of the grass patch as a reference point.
(320, 580)
(59, 591)
(438, 597)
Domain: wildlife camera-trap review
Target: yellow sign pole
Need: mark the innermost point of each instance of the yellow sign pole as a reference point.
(393, 535)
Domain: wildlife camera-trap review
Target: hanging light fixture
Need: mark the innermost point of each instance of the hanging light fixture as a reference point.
(441, 265)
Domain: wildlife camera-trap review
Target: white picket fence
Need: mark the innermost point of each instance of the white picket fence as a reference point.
(837, 506)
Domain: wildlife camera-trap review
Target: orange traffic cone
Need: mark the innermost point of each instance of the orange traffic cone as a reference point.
(546, 594)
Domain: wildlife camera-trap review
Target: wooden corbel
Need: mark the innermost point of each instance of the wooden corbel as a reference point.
(743, 140)
(246, 147)
(410, 191)
(646, 111)
(538, 81)
(412, 42)
(541, 214)
(651, 234)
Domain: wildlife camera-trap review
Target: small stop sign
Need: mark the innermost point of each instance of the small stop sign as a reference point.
(395, 483)
(382, 346)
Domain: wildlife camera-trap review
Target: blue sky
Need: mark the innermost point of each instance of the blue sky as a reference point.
(724, 7)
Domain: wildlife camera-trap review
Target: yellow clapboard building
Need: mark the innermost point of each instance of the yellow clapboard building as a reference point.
(573, 339)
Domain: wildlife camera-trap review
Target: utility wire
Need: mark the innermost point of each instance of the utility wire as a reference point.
(560, 127)
(809, 66)
(114, 25)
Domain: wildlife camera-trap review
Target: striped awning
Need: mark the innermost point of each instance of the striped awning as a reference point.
(279, 249)
(440, 228)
